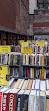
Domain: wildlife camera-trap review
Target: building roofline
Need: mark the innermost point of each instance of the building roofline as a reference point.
(4, 29)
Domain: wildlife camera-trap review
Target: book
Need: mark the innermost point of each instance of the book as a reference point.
(47, 104)
(41, 60)
(47, 84)
(12, 86)
(33, 84)
(25, 85)
(47, 60)
(47, 73)
(42, 85)
(22, 100)
(31, 72)
(32, 101)
(42, 101)
(37, 100)
(25, 74)
(19, 100)
(29, 85)
(21, 84)
(1, 96)
(37, 84)
(12, 99)
(25, 100)
(10, 82)
(25, 59)
(5, 100)
(42, 73)
(17, 83)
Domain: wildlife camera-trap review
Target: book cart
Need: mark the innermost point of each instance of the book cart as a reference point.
(27, 95)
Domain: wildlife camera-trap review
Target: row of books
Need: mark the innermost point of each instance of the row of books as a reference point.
(35, 59)
(15, 48)
(32, 59)
(10, 59)
(36, 73)
(29, 72)
(38, 49)
(14, 71)
(35, 48)
(26, 95)
(35, 84)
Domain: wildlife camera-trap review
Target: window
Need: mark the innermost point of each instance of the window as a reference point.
(40, 4)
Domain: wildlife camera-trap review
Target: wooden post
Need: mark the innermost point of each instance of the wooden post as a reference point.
(8, 39)
(2, 38)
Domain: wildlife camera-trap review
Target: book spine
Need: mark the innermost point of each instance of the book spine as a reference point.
(5, 102)
(0, 101)
(26, 59)
(47, 104)
(11, 102)
(32, 60)
(42, 103)
(23, 59)
(32, 72)
(27, 72)
(37, 104)
(32, 103)
(24, 105)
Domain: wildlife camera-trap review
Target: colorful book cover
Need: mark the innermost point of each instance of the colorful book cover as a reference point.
(42, 103)
(1, 97)
(12, 99)
(37, 101)
(5, 101)
(47, 104)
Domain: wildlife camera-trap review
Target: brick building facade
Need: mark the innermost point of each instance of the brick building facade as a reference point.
(14, 21)
(24, 17)
(14, 15)
(40, 15)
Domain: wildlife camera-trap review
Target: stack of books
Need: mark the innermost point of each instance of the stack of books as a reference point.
(26, 95)
(36, 59)
(16, 48)
(35, 73)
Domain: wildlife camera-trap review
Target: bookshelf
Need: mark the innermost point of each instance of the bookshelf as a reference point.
(36, 66)
(19, 64)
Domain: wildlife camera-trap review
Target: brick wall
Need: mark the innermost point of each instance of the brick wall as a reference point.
(31, 24)
(7, 14)
(17, 15)
(41, 22)
(26, 3)
(24, 19)
(14, 14)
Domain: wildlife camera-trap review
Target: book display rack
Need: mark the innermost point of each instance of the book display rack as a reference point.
(28, 75)
(25, 95)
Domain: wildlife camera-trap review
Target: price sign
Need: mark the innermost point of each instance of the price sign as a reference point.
(3, 73)
(26, 50)
(5, 49)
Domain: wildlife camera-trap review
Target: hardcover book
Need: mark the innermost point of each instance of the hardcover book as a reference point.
(12, 99)
(42, 101)
(32, 101)
(5, 101)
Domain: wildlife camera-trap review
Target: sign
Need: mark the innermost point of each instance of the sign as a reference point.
(24, 44)
(5, 49)
(3, 73)
(21, 41)
(26, 50)
(32, 40)
(40, 43)
(29, 41)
